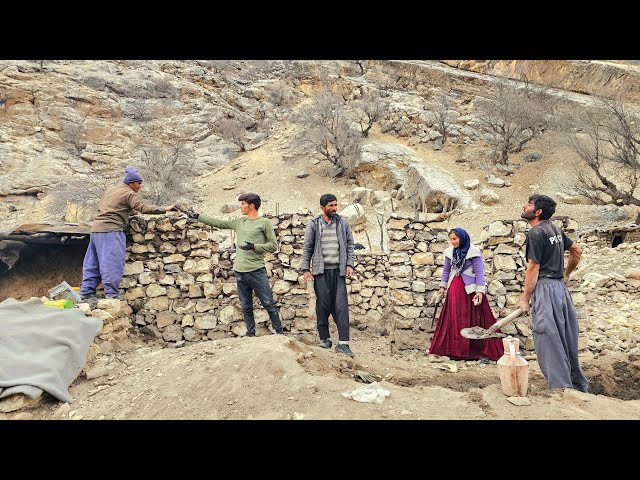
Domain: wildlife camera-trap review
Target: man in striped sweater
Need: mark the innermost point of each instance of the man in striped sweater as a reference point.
(327, 257)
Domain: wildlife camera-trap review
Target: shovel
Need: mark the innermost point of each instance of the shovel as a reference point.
(437, 301)
(312, 299)
(479, 333)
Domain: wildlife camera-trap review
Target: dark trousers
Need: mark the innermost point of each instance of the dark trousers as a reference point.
(247, 283)
(331, 298)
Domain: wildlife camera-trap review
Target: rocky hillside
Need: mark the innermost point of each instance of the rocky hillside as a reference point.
(580, 76)
(67, 128)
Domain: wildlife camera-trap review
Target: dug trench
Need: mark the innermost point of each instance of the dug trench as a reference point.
(615, 375)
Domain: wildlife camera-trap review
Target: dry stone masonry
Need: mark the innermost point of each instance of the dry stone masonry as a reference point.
(116, 322)
(180, 284)
(608, 294)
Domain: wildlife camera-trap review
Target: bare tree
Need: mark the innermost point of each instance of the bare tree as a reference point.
(141, 110)
(328, 130)
(233, 131)
(167, 170)
(443, 118)
(368, 110)
(279, 94)
(610, 148)
(385, 85)
(363, 65)
(513, 116)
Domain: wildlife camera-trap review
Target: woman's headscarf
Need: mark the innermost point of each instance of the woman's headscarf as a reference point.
(460, 253)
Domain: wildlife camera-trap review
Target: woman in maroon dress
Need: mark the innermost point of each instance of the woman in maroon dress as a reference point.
(466, 304)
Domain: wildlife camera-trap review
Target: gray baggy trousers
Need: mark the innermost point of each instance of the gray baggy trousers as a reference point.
(555, 335)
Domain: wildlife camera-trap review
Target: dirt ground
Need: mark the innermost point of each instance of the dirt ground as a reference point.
(288, 377)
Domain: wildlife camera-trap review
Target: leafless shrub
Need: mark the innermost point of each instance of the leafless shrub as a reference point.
(513, 116)
(608, 143)
(279, 94)
(363, 66)
(443, 119)
(327, 129)
(384, 82)
(167, 170)
(233, 131)
(368, 110)
(141, 110)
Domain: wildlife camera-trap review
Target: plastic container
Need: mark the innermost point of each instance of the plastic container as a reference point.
(62, 303)
(64, 290)
(513, 369)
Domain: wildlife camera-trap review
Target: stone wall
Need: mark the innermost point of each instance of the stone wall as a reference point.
(116, 322)
(181, 286)
(413, 282)
(610, 236)
(415, 267)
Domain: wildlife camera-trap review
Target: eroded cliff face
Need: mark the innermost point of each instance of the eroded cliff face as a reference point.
(65, 118)
(609, 78)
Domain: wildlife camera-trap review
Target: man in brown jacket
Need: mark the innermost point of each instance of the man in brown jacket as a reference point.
(106, 254)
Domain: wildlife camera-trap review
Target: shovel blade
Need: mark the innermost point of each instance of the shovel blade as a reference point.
(479, 333)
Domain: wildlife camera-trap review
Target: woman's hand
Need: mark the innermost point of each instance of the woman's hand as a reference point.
(477, 299)
(439, 296)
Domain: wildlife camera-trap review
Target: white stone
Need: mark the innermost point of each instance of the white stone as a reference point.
(471, 184)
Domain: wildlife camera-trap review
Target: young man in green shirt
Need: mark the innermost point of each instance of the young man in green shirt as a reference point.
(255, 236)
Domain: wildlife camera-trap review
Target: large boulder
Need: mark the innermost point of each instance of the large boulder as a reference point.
(354, 214)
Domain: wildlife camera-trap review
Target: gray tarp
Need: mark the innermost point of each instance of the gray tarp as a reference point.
(42, 347)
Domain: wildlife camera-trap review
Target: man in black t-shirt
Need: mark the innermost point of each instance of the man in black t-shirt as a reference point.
(555, 322)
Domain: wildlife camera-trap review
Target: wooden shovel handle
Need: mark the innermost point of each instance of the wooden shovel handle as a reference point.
(577, 274)
(508, 319)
